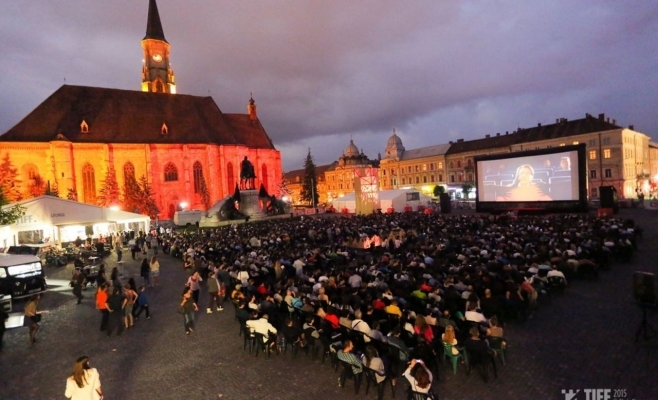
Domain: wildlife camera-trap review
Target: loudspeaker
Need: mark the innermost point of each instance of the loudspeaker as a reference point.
(644, 287)
(446, 207)
(608, 196)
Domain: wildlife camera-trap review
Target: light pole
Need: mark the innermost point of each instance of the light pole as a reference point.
(312, 193)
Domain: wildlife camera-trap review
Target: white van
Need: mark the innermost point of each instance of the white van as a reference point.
(186, 218)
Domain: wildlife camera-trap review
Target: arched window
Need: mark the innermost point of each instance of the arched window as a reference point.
(263, 175)
(128, 172)
(197, 170)
(459, 163)
(469, 162)
(230, 178)
(170, 173)
(159, 87)
(30, 172)
(452, 164)
(88, 184)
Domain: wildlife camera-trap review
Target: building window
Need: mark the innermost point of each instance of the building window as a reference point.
(128, 172)
(384, 172)
(594, 192)
(424, 167)
(340, 185)
(425, 179)
(606, 153)
(170, 173)
(575, 142)
(470, 177)
(395, 182)
(592, 154)
(432, 166)
(592, 142)
(409, 169)
(459, 163)
(84, 127)
(452, 164)
(606, 140)
(460, 177)
(440, 177)
(230, 178)
(417, 180)
(562, 144)
(452, 178)
(88, 184)
(440, 164)
(592, 174)
(197, 170)
(469, 162)
(431, 178)
(403, 180)
(608, 173)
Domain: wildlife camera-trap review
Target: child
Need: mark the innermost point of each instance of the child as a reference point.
(142, 303)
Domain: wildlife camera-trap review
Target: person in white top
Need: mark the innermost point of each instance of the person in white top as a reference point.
(85, 383)
(556, 272)
(421, 380)
(261, 326)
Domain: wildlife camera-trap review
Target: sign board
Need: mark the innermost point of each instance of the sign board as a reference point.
(366, 190)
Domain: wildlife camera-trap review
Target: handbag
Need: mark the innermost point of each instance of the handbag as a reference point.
(36, 318)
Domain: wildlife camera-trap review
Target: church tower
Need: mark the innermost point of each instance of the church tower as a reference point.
(157, 75)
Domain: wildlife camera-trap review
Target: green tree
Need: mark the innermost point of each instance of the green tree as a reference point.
(132, 194)
(9, 215)
(466, 189)
(9, 182)
(146, 204)
(309, 193)
(438, 190)
(204, 192)
(71, 194)
(109, 194)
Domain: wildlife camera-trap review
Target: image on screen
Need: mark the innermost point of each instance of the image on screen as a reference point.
(546, 177)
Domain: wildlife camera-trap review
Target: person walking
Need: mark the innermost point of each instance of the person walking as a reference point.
(142, 303)
(119, 249)
(155, 270)
(213, 292)
(77, 282)
(145, 272)
(154, 245)
(188, 307)
(128, 305)
(101, 300)
(33, 316)
(115, 307)
(85, 383)
(194, 283)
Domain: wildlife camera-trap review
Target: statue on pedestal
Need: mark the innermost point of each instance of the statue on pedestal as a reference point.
(247, 175)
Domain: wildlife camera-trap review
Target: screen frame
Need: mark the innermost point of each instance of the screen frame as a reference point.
(578, 205)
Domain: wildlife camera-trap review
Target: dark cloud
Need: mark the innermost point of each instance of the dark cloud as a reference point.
(322, 72)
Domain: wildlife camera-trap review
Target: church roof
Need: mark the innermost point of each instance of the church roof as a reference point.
(153, 24)
(126, 116)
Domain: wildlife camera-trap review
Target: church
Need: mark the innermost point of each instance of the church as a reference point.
(185, 147)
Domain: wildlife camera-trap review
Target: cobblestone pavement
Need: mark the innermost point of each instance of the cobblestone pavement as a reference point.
(584, 339)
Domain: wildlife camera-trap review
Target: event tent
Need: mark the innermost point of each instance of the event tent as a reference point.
(396, 199)
(49, 218)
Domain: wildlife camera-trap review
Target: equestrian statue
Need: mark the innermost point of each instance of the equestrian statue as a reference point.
(247, 175)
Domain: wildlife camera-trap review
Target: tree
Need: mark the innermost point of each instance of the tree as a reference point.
(10, 215)
(438, 190)
(109, 193)
(148, 206)
(36, 187)
(204, 192)
(309, 191)
(9, 182)
(132, 195)
(71, 194)
(466, 189)
(52, 190)
(282, 190)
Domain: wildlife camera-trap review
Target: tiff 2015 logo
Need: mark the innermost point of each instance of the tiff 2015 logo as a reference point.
(595, 394)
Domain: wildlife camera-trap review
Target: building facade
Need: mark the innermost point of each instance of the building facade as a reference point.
(182, 145)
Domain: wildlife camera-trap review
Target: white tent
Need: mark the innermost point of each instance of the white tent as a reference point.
(397, 199)
(59, 220)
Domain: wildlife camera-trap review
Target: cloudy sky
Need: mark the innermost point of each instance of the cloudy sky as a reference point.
(324, 71)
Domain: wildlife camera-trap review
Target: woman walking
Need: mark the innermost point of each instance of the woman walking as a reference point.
(193, 282)
(32, 316)
(145, 272)
(155, 270)
(85, 383)
(188, 307)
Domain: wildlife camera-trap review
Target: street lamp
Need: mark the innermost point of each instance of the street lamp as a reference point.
(183, 205)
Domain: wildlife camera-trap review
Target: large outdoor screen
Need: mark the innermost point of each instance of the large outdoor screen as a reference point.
(529, 178)
(533, 181)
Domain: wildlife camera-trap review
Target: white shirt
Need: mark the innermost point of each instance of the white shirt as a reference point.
(555, 272)
(474, 316)
(89, 391)
(261, 326)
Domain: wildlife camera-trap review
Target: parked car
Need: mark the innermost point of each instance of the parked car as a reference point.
(21, 276)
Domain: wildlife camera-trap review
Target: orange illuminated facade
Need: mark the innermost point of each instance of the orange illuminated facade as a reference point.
(179, 143)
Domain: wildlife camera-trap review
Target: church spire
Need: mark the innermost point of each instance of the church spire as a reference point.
(157, 74)
(153, 24)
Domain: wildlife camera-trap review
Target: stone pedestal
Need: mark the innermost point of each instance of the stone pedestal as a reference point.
(249, 204)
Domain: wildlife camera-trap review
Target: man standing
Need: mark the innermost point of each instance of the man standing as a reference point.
(101, 300)
(115, 306)
(77, 282)
(213, 292)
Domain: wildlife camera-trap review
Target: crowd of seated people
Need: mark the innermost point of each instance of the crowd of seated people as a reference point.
(454, 279)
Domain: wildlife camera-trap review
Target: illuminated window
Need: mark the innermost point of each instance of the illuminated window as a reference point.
(170, 173)
(230, 178)
(575, 142)
(606, 153)
(424, 167)
(88, 184)
(562, 144)
(197, 170)
(608, 173)
(440, 164)
(592, 154)
(128, 172)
